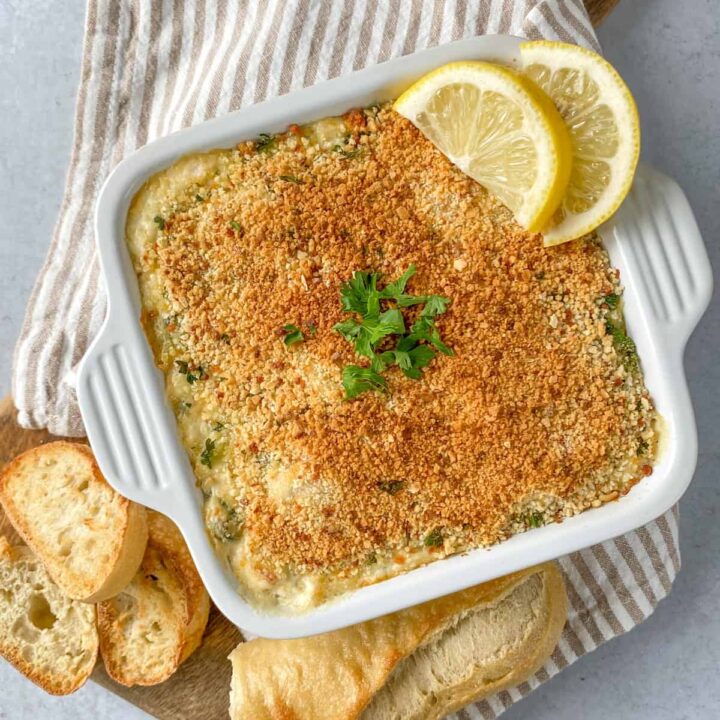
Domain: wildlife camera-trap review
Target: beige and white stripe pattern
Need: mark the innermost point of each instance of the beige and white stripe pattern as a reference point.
(154, 66)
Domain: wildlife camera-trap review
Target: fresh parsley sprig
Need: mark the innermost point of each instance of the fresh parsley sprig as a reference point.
(413, 350)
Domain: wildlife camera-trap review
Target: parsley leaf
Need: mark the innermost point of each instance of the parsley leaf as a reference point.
(424, 329)
(206, 456)
(434, 305)
(192, 376)
(347, 154)
(624, 346)
(403, 359)
(419, 357)
(414, 350)
(394, 289)
(382, 361)
(534, 520)
(360, 293)
(373, 330)
(434, 538)
(235, 225)
(358, 380)
(292, 179)
(349, 329)
(265, 143)
(293, 334)
(159, 221)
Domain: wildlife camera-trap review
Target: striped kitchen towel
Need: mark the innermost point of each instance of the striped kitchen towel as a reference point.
(150, 67)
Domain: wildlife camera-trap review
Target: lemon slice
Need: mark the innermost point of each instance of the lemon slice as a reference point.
(499, 129)
(604, 129)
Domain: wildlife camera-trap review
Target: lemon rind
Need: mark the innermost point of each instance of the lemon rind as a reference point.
(615, 89)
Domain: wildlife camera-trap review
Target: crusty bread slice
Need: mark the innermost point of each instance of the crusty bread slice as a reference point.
(166, 536)
(154, 624)
(48, 637)
(90, 539)
(417, 664)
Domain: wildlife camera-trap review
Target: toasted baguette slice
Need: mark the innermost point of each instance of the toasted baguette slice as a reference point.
(154, 624)
(48, 637)
(166, 537)
(417, 664)
(90, 539)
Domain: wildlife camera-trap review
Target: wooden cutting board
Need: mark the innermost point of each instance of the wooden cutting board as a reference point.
(199, 689)
(599, 9)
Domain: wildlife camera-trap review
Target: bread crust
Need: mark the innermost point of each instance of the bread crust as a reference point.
(131, 529)
(129, 555)
(335, 676)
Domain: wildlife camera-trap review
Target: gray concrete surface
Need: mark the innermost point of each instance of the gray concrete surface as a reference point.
(669, 53)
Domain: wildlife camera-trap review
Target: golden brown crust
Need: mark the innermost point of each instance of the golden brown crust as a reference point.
(130, 530)
(129, 554)
(535, 413)
(334, 676)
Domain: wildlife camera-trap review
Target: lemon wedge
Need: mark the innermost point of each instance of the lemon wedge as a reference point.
(498, 128)
(602, 119)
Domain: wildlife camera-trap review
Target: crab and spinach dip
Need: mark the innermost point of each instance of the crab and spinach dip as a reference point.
(371, 364)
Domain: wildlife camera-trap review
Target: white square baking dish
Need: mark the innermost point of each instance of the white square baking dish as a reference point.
(653, 240)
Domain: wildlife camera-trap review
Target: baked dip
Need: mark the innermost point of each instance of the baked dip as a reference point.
(318, 479)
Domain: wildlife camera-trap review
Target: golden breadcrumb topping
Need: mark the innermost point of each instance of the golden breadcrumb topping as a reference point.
(540, 413)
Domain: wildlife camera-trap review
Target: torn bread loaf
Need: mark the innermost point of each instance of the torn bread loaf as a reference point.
(48, 637)
(90, 539)
(416, 664)
(154, 624)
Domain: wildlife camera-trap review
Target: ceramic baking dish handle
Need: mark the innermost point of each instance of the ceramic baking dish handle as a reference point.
(664, 254)
(122, 408)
